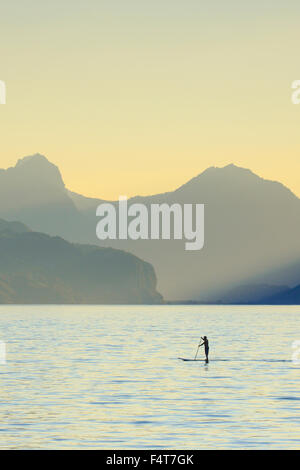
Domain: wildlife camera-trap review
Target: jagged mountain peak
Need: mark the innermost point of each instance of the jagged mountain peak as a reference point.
(235, 179)
(34, 170)
(35, 158)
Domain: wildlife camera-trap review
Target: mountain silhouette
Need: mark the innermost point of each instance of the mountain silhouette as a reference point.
(38, 268)
(252, 226)
(287, 297)
(252, 293)
(12, 227)
(34, 193)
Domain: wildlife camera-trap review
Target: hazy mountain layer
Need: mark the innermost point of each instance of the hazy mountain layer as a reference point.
(34, 193)
(252, 229)
(38, 268)
(251, 294)
(252, 226)
(288, 297)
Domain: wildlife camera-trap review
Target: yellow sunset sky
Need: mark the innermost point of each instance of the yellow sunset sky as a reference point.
(136, 97)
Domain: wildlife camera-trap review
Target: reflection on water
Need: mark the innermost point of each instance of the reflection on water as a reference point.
(109, 377)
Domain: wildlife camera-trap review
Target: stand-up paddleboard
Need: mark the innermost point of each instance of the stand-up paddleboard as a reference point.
(205, 341)
(193, 360)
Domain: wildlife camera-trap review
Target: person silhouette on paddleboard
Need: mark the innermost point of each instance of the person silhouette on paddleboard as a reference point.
(206, 346)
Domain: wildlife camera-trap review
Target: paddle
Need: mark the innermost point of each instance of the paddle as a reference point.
(198, 348)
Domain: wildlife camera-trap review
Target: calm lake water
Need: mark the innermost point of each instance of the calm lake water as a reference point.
(109, 377)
